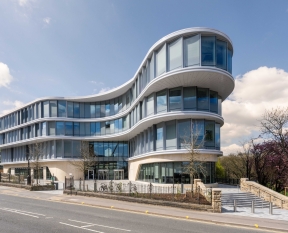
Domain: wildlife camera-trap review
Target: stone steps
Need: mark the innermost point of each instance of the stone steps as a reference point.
(244, 200)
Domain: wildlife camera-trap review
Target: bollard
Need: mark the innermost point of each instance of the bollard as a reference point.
(235, 205)
(271, 208)
(253, 207)
(182, 188)
(95, 187)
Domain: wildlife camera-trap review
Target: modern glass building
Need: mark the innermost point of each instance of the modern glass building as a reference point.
(139, 127)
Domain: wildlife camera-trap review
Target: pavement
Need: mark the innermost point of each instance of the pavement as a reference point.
(224, 219)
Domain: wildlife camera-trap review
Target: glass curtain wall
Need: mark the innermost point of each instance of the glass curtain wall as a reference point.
(174, 172)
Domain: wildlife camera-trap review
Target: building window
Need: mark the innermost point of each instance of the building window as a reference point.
(175, 97)
(209, 134)
(208, 51)
(192, 51)
(51, 128)
(159, 136)
(221, 52)
(69, 128)
(61, 108)
(175, 54)
(76, 107)
(150, 105)
(70, 109)
(161, 102)
(189, 98)
(217, 136)
(45, 109)
(213, 102)
(53, 108)
(229, 61)
(76, 129)
(203, 99)
(161, 61)
(60, 128)
(184, 133)
(171, 141)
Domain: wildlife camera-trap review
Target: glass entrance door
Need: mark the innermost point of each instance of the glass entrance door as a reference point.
(90, 174)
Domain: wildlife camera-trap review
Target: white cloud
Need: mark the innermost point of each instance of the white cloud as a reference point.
(47, 20)
(96, 83)
(5, 76)
(25, 3)
(105, 89)
(255, 91)
(12, 105)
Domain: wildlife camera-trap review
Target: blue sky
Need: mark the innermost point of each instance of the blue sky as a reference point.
(68, 47)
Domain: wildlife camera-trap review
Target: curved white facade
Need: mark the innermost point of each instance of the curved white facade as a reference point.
(139, 126)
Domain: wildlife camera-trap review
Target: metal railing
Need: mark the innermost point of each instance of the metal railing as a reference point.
(228, 181)
(176, 192)
(8, 178)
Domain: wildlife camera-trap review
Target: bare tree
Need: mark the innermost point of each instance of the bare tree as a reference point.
(86, 160)
(274, 124)
(196, 163)
(35, 153)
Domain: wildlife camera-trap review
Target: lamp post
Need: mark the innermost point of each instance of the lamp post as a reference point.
(29, 173)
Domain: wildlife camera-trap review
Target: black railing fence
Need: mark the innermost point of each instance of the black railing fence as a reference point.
(176, 192)
(8, 178)
(228, 181)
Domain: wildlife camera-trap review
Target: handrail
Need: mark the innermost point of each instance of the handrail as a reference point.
(274, 197)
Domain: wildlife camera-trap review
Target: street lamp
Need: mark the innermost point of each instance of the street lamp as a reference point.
(29, 173)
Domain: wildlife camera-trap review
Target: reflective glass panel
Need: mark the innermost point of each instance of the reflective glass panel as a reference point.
(161, 102)
(208, 51)
(171, 142)
(192, 51)
(213, 102)
(221, 51)
(184, 133)
(45, 109)
(51, 128)
(161, 61)
(76, 129)
(150, 105)
(175, 98)
(69, 128)
(92, 110)
(209, 134)
(189, 98)
(53, 108)
(76, 110)
(229, 61)
(198, 132)
(159, 137)
(70, 109)
(175, 54)
(203, 99)
(61, 108)
(60, 128)
(217, 136)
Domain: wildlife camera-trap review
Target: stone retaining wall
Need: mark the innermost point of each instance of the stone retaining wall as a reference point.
(264, 193)
(28, 187)
(143, 200)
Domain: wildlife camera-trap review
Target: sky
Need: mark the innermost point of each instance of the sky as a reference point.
(77, 48)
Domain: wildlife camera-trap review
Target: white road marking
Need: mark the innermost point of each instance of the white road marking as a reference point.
(24, 211)
(13, 211)
(80, 227)
(92, 224)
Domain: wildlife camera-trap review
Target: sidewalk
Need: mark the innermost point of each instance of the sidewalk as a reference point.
(216, 218)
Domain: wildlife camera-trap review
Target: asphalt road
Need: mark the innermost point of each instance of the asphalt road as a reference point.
(18, 214)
